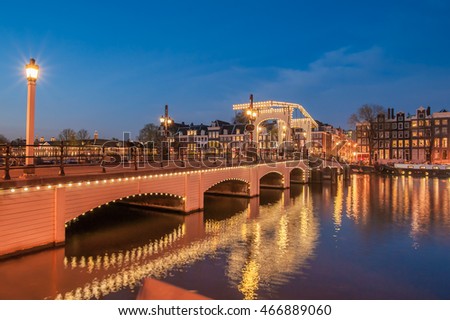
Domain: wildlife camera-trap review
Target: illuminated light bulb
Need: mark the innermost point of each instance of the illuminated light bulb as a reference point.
(13, 190)
(88, 182)
(38, 188)
(79, 183)
(25, 189)
(60, 185)
(49, 187)
(96, 182)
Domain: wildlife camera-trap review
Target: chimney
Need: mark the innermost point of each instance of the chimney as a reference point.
(428, 110)
(392, 115)
(389, 113)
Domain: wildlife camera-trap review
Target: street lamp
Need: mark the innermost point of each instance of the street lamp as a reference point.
(32, 71)
(250, 127)
(166, 121)
(251, 115)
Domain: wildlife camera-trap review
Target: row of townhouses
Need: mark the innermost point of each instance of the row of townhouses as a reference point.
(218, 134)
(397, 137)
(326, 141)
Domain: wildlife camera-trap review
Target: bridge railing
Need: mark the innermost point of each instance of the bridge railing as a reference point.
(57, 158)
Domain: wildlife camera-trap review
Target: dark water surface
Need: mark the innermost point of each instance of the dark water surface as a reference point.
(371, 238)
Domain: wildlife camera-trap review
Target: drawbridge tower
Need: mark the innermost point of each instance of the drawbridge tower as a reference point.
(294, 122)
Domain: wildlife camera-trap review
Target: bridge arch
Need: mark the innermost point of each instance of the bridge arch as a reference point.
(273, 179)
(298, 175)
(150, 200)
(230, 186)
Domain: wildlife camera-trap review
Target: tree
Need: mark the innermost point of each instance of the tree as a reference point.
(150, 132)
(150, 136)
(3, 139)
(68, 136)
(367, 113)
(83, 135)
(239, 117)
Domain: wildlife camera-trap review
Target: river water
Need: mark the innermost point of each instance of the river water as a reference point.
(370, 238)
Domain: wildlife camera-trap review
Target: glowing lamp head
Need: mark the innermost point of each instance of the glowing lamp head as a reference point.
(32, 70)
(169, 121)
(249, 112)
(254, 114)
(161, 119)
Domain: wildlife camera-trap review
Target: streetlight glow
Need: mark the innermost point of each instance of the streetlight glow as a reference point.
(32, 70)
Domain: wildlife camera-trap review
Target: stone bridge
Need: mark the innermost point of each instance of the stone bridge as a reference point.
(35, 215)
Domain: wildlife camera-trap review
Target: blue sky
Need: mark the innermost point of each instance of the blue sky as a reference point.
(112, 66)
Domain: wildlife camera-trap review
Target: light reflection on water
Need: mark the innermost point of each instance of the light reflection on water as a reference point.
(373, 237)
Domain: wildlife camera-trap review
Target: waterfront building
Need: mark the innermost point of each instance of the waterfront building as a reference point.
(397, 137)
(419, 138)
(192, 137)
(214, 131)
(391, 137)
(441, 137)
(362, 152)
(202, 137)
(321, 144)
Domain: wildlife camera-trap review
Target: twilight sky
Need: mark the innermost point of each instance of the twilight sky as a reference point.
(112, 66)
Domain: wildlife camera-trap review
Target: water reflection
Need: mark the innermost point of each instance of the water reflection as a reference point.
(420, 202)
(273, 248)
(287, 241)
(259, 248)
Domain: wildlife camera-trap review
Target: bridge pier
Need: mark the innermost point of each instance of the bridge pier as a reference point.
(60, 209)
(316, 175)
(346, 172)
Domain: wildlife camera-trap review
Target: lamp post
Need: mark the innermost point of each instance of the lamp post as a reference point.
(32, 71)
(166, 121)
(251, 115)
(250, 127)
